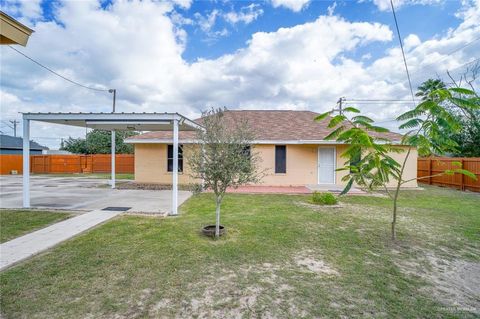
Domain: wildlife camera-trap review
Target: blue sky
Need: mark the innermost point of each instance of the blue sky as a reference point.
(425, 21)
(186, 56)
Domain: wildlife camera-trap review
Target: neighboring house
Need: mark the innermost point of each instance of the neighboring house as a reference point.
(291, 144)
(14, 145)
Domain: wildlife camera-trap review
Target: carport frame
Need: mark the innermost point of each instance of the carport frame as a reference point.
(110, 122)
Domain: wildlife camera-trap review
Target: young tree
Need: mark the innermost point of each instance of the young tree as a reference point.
(222, 156)
(468, 139)
(427, 122)
(99, 142)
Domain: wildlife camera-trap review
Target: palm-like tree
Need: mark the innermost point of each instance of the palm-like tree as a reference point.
(428, 87)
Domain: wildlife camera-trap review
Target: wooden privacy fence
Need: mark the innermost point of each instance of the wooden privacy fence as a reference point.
(68, 164)
(10, 162)
(434, 165)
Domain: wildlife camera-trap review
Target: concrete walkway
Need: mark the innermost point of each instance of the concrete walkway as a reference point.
(33, 243)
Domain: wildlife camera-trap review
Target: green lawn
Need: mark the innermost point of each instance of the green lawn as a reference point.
(14, 223)
(282, 257)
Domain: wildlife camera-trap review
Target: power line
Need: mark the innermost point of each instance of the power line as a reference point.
(462, 65)
(46, 138)
(457, 67)
(386, 121)
(375, 100)
(403, 52)
(57, 74)
(448, 54)
(14, 123)
(380, 103)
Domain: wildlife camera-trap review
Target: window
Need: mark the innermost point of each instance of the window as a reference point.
(170, 158)
(280, 159)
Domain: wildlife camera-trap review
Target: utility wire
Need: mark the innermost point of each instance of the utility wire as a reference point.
(57, 74)
(375, 100)
(379, 103)
(448, 54)
(448, 70)
(7, 124)
(403, 52)
(462, 65)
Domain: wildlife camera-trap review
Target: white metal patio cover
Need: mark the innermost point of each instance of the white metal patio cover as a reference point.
(110, 122)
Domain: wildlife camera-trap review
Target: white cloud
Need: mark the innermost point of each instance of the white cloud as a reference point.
(207, 22)
(136, 47)
(246, 14)
(183, 3)
(411, 41)
(28, 9)
(331, 8)
(294, 5)
(180, 20)
(384, 5)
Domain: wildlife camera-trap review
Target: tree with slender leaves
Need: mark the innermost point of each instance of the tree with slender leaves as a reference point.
(222, 156)
(367, 155)
(427, 87)
(427, 124)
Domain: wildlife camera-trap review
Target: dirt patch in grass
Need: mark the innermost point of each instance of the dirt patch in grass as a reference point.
(453, 282)
(247, 291)
(317, 206)
(232, 294)
(313, 262)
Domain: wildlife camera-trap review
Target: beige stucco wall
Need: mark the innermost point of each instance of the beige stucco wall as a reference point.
(301, 165)
(409, 173)
(151, 165)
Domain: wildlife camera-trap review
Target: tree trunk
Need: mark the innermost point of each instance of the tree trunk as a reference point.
(397, 192)
(217, 219)
(394, 220)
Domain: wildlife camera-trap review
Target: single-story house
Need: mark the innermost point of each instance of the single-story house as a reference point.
(291, 144)
(14, 145)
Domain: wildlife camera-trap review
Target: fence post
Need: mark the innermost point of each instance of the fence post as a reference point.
(429, 171)
(462, 182)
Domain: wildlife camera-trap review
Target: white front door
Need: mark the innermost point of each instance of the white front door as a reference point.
(326, 165)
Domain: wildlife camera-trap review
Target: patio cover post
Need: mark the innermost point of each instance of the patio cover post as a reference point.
(113, 159)
(175, 168)
(26, 163)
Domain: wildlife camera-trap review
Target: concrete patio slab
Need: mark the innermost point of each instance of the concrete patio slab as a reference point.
(81, 193)
(21, 248)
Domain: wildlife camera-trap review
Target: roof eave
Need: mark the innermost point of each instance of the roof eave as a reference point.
(260, 142)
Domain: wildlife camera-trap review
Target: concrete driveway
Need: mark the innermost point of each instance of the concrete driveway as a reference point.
(81, 193)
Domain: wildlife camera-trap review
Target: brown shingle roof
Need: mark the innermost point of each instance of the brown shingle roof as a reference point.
(269, 125)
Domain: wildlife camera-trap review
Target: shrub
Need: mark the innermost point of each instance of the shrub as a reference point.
(195, 188)
(324, 198)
